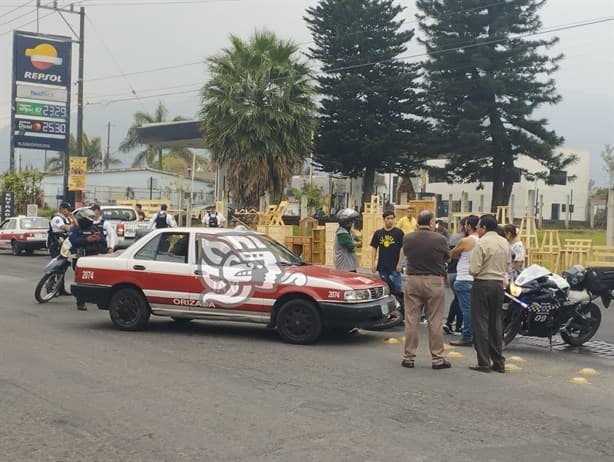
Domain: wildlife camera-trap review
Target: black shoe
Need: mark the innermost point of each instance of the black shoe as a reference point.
(500, 369)
(407, 363)
(461, 342)
(444, 365)
(81, 307)
(480, 368)
(447, 328)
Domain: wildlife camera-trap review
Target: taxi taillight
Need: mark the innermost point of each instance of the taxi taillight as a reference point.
(120, 230)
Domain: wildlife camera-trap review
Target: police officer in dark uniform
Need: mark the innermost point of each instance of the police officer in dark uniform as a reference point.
(87, 238)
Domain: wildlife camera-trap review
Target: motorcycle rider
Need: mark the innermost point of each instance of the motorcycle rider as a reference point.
(106, 227)
(87, 238)
(59, 226)
(346, 242)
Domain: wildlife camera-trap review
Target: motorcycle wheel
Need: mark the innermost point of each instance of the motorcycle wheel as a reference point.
(48, 287)
(579, 333)
(511, 322)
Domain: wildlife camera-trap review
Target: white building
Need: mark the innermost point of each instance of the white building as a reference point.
(134, 183)
(529, 198)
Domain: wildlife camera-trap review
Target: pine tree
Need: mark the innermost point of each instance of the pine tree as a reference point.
(485, 77)
(369, 115)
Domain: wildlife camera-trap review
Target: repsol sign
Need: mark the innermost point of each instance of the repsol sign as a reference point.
(42, 77)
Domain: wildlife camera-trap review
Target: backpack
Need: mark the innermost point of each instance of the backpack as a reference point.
(161, 221)
(213, 222)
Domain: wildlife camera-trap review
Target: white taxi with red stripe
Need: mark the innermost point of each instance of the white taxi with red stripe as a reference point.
(229, 275)
(24, 234)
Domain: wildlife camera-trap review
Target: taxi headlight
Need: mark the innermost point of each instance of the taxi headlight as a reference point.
(515, 291)
(356, 295)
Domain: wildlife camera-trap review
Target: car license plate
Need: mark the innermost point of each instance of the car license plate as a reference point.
(130, 233)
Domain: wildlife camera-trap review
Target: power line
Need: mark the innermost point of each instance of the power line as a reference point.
(16, 8)
(112, 57)
(405, 57)
(26, 24)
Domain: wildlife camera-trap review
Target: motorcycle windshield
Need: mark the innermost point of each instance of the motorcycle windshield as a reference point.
(530, 274)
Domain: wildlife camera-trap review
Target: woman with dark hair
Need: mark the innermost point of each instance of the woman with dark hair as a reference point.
(517, 249)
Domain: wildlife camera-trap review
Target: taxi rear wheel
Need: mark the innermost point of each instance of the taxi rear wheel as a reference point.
(299, 321)
(129, 310)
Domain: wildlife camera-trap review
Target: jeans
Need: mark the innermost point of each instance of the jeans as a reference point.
(462, 289)
(393, 278)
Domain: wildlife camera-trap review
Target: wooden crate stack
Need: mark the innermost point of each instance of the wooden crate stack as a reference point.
(276, 232)
(329, 242)
(371, 222)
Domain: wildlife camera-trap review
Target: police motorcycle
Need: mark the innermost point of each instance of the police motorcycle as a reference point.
(51, 284)
(542, 304)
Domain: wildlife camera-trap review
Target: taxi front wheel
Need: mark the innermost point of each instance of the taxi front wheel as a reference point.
(129, 309)
(299, 321)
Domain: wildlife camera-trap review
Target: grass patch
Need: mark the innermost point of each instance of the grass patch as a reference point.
(596, 235)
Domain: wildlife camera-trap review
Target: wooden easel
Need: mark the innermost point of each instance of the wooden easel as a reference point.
(528, 233)
(504, 215)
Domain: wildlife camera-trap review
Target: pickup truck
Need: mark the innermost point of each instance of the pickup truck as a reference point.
(124, 220)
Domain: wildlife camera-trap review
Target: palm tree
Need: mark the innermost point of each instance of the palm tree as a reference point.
(257, 115)
(151, 155)
(91, 149)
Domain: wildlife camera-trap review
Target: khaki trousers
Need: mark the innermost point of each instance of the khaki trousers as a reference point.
(427, 291)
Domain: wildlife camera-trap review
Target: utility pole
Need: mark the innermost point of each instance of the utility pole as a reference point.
(69, 195)
(105, 161)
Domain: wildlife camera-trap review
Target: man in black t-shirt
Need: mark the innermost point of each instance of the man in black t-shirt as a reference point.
(386, 248)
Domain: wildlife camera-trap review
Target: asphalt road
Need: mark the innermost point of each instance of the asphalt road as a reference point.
(72, 388)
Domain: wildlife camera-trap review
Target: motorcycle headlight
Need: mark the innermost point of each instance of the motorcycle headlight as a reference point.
(515, 291)
(356, 295)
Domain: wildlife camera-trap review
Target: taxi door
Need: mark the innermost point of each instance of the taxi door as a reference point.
(164, 268)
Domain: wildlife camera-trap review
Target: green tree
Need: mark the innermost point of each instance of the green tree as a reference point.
(91, 149)
(152, 155)
(257, 113)
(485, 77)
(26, 186)
(370, 109)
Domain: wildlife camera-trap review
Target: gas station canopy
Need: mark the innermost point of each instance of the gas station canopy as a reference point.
(178, 134)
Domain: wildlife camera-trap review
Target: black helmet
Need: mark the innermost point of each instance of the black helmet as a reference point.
(347, 215)
(85, 217)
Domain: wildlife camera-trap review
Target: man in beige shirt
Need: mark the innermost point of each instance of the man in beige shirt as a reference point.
(488, 266)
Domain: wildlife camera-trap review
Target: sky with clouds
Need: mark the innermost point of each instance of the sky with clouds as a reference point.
(139, 52)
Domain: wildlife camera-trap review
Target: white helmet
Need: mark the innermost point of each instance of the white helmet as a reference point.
(85, 217)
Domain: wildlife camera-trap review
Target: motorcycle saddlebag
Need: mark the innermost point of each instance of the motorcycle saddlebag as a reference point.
(599, 280)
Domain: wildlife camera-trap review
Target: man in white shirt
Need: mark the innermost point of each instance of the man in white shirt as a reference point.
(162, 219)
(212, 219)
(59, 225)
(108, 230)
